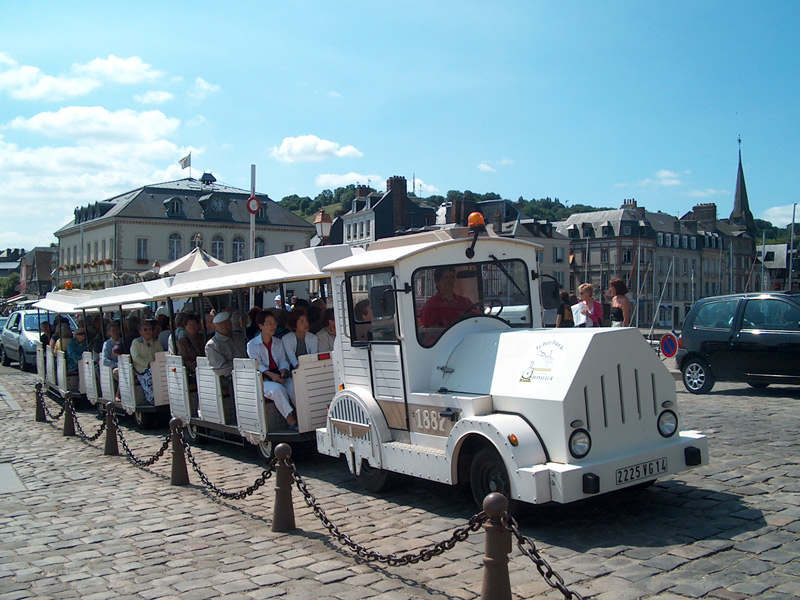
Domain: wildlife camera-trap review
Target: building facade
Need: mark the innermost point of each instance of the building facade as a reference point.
(112, 241)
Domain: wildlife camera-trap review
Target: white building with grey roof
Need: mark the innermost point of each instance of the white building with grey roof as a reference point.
(112, 241)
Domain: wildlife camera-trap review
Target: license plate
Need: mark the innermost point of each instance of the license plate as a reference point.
(643, 470)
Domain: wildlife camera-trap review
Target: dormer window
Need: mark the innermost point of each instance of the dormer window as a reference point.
(173, 207)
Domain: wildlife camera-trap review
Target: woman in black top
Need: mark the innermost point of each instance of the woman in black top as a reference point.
(564, 318)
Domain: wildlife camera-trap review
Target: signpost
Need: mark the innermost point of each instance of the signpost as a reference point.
(669, 345)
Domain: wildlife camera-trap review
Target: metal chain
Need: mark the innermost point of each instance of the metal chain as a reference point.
(83, 435)
(41, 395)
(137, 461)
(393, 560)
(241, 494)
(528, 548)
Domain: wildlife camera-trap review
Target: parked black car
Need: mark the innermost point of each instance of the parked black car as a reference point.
(753, 338)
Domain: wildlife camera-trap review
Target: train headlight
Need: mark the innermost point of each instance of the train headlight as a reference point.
(580, 443)
(667, 423)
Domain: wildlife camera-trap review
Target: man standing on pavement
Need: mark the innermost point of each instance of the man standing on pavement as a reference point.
(220, 351)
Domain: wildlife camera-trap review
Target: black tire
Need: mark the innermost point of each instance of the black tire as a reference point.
(23, 364)
(487, 474)
(372, 479)
(4, 360)
(697, 377)
(101, 408)
(757, 385)
(265, 450)
(143, 420)
(191, 435)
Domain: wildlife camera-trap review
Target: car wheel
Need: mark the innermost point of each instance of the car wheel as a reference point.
(23, 365)
(697, 377)
(372, 479)
(4, 360)
(758, 385)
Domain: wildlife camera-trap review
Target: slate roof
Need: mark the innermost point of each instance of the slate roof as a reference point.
(147, 202)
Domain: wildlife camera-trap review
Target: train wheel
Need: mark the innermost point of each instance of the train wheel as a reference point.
(372, 479)
(488, 474)
(144, 420)
(265, 450)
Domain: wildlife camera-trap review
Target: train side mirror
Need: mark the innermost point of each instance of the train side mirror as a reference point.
(550, 298)
(381, 300)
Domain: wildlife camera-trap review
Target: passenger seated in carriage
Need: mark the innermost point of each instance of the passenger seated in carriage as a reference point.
(220, 351)
(75, 349)
(192, 345)
(143, 352)
(299, 341)
(274, 367)
(108, 357)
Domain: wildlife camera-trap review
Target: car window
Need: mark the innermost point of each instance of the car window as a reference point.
(716, 315)
(771, 314)
(13, 322)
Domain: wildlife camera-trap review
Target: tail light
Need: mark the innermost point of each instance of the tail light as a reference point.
(680, 341)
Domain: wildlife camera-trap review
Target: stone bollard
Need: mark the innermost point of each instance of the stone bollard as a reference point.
(41, 417)
(111, 449)
(69, 420)
(496, 582)
(283, 513)
(179, 476)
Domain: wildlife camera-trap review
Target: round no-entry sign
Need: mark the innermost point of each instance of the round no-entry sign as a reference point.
(253, 204)
(669, 345)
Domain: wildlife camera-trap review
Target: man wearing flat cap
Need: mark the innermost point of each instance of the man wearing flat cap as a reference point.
(220, 351)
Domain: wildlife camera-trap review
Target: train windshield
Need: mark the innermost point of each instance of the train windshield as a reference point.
(447, 294)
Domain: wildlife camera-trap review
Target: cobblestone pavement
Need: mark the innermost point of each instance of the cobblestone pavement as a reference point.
(95, 527)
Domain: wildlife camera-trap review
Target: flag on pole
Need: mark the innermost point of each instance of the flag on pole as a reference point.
(186, 161)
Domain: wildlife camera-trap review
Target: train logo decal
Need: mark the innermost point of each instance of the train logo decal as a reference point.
(541, 367)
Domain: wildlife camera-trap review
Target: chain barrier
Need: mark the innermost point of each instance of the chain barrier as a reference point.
(528, 548)
(241, 494)
(41, 394)
(392, 560)
(83, 435)
(137, 461)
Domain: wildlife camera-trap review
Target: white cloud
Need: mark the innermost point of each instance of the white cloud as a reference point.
(120, 70)
(780, 216)
(706, 193)
(486, 168)
(97, 123)
(310, 148)
(153, 97)
(332, 180)
(5, 59)
(424, 189)
(664, 178)
(28, 83)
(196, 121)
(202, 88)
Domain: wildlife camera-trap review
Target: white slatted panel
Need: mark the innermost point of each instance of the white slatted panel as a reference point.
(106, 383)
(209, 395)
(387, 372)
(314, 388)
(50, 361)
(249, 392)
(127, 385)
(61, 373)
(177, 388)
(40, 363)
(89, 377)
(158, 368)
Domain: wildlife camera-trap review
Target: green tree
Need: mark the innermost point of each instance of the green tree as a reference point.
(8, 285)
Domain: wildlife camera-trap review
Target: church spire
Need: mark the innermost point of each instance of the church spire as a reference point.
(741, 214)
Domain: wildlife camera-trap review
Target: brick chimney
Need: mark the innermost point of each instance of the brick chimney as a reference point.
(398, 187)
(706, 214)
(460, 211)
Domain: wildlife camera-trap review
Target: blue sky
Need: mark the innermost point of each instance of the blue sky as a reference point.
(589, 102)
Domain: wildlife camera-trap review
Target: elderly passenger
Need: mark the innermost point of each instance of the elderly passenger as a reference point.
(220, 351)
(299, 341)
(143, 352)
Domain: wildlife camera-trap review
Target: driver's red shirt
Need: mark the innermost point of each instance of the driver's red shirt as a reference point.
(440, 312)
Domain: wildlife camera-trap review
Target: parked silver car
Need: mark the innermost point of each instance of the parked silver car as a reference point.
(20, 334)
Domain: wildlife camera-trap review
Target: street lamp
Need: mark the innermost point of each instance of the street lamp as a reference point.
(323, 223)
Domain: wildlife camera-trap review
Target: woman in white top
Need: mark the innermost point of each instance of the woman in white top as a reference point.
(269, 352)
(299, 341)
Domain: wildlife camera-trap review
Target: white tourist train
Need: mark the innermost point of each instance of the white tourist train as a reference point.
(442, 370)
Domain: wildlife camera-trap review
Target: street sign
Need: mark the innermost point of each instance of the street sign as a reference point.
(253, 205)
(669, 345)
